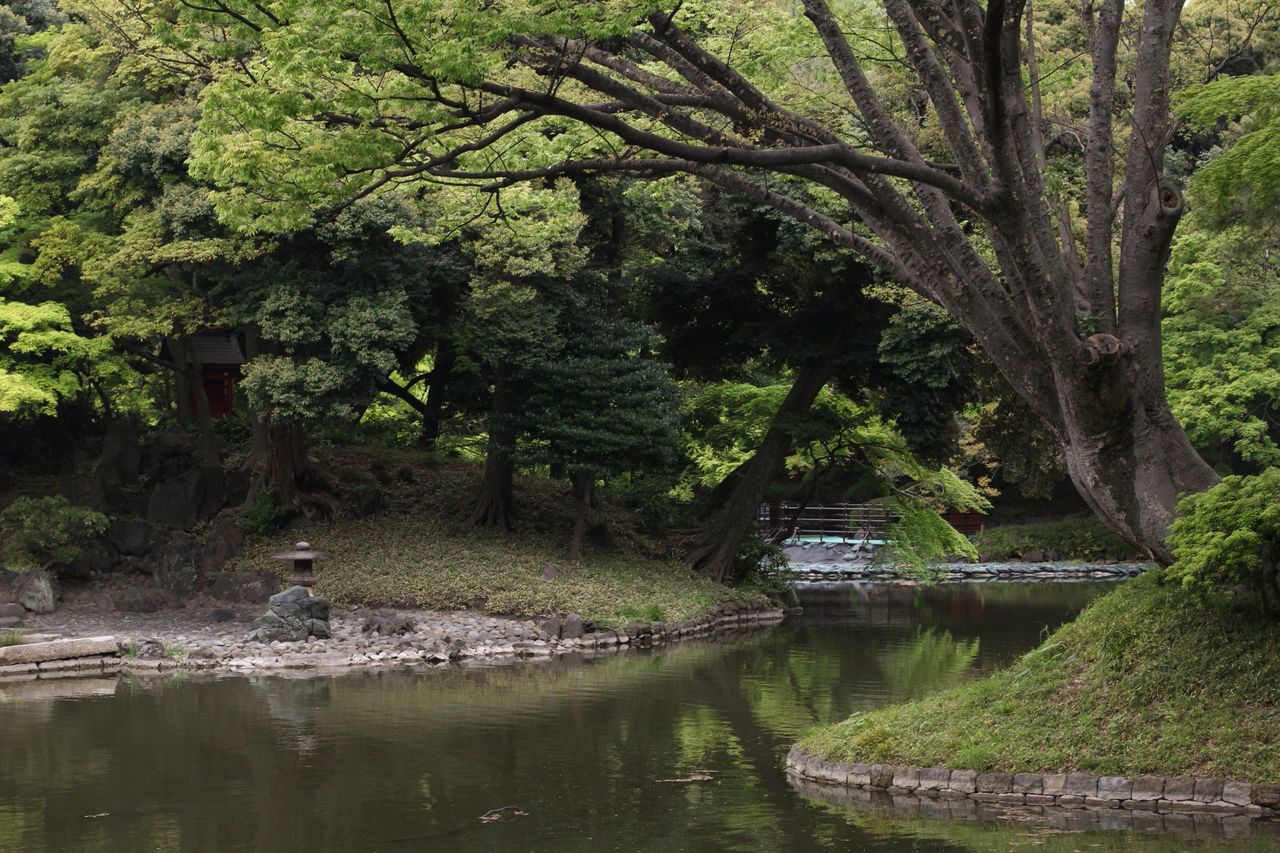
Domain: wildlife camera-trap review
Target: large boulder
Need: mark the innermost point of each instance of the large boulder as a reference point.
(96, 558)
(167, 455)
(121, 461)
(291, 616)
(132, 538)
(37, 591)
(222, 541)
(173, 564)
(179, 502)
(246, 587)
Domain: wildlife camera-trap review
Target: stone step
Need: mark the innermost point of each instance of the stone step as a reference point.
(59, 650)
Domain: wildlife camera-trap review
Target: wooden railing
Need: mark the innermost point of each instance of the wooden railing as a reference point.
(829, 522)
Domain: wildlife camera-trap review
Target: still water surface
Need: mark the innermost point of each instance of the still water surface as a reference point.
(562, 756)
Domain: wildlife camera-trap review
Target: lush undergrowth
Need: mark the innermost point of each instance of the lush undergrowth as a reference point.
(419, 551)
(1149, 679)
(1083, 538)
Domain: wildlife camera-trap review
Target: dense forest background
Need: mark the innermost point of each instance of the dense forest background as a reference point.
(651, 341)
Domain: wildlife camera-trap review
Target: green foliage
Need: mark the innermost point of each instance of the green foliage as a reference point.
(418, 552)
(921, 539)
(1222, 343)
(46, 532)
(932, 660)
(1242, 178)
(648, 613)
(262, 514)
(601, 405)
(1082, 538)
(12, 637)
(1150, 679)
(924, 349)
(1230, 535)
(761, 567)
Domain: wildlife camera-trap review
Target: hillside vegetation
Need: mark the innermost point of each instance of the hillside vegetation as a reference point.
(418, 550)
(1148, 680)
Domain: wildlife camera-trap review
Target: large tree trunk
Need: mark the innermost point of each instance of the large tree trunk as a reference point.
(495, 506)
(254, 347)
(724, 533)
(1127, 455)
(287, 464)
(441, 374)
(583, 485)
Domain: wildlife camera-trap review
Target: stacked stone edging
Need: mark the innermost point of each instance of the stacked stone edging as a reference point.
(1067, 790)
(315, 655)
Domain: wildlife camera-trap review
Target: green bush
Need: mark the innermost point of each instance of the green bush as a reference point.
(41, 533)
(1230, 536)
(1069, 539)
(262, 515)
(761, 567)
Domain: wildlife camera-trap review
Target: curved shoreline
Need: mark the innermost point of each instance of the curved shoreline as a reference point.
(491, 638)
(1178, 794)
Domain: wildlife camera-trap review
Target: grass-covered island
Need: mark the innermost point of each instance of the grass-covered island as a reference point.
(418, 550)
(1150, 679)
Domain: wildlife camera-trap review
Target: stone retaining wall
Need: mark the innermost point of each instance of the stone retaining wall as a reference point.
(1067, 790)
(306, 656)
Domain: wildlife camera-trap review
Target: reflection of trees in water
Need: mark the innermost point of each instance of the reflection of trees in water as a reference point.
(294, 703)
(932, 660)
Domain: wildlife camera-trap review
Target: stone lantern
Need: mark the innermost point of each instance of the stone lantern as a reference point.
(302, 560)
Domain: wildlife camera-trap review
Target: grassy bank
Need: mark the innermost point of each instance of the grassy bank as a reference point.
(1147, 680)
(419, 551)
(1069, 539)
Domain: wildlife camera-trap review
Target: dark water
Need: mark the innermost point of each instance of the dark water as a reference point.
(565, 756)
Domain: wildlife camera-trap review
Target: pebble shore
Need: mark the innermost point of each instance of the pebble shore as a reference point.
(187, 639)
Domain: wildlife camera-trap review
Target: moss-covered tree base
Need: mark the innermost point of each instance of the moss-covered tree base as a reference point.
(1148, 680)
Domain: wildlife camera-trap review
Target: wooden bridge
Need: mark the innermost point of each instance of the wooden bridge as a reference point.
(844, 522)
(848, 523)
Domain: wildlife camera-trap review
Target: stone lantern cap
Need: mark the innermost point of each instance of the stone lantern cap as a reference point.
(301, 551)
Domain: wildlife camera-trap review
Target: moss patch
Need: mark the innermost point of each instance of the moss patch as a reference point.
(1148, 679)
(419, 551)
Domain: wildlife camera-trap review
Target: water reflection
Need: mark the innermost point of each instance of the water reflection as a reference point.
(567, 755)
(932, 660)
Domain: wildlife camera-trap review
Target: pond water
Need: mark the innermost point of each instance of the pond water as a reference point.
(566, 755)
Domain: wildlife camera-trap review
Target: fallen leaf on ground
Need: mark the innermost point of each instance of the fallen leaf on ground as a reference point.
(505, 813)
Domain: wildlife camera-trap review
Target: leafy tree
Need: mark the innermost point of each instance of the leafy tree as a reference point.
(1242, 178)
(43, 533)
(916, 142)
(1222, 343)
(1230, 535)
(602, 406)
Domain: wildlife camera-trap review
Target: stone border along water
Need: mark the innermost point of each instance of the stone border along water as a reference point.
(61, 658)
(1162, 794)
(970, 572)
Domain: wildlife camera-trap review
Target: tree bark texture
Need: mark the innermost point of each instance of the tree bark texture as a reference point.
(583, 486)
(494, 505)
(441, 374)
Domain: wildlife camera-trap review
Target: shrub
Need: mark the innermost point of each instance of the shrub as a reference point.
(1230, 536)
(761, 567)
(262, 515)
(46, 532)
(1070, 539)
